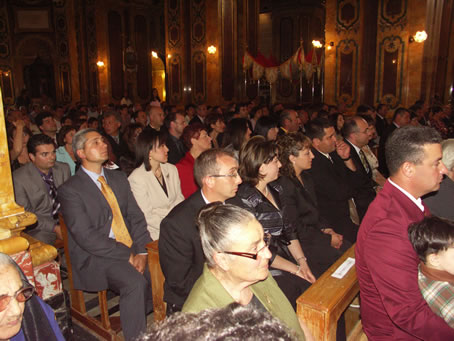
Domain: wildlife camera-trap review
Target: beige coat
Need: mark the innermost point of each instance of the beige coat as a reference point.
(150, 196)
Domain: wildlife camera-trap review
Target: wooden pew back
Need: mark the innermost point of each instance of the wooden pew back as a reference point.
(157, 281)
(325, 301)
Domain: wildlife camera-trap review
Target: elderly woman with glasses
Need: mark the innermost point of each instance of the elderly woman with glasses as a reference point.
(23, 315)
(259, 168)
(236, 268)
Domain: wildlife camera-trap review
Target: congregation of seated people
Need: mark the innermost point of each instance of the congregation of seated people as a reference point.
(247, 198)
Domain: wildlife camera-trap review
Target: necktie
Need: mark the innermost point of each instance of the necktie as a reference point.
(364, 161)
(118, 224)
(49, 180)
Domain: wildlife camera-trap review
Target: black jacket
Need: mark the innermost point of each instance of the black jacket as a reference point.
(271, 218)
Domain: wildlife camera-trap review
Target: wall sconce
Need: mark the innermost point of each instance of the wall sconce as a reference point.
(419, 37)
(317, 44)
(330, 45)
(212, 49)
(154, 54)
(100, 64)
(169, 56)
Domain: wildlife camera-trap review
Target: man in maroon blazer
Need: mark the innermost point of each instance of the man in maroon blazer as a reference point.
(392, 307)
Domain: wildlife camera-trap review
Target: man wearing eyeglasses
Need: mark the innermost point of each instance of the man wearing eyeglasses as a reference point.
(20, 310)
(180, 250)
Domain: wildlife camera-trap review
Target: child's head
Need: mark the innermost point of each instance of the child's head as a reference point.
(433, 240)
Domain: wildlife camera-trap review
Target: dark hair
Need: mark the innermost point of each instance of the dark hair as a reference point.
(316, 128)
(406, 145)
(234, 133)
(188, 106)
(436, 109)
(253, 154)
(399, 112)
(291, 144)
(263, 125)
(350, 126)
(206, 163)
(333, 119)
(191, 131)
(212, 119)
(146, 141)
(41, 116)
(91, 120)
(171, 117)
(431, 235)
(38, 140)
(62, 133)
(380, 106)
(367, 118)
(233, 323)
(363, 108)
(11, 128)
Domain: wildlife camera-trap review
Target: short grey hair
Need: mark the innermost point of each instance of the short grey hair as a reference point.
(79, 140)
(218, 223)
(448, 153)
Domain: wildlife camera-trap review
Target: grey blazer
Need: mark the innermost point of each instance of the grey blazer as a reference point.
(31, 192)
(88, 218)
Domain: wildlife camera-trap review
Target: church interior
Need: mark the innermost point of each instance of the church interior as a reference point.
(218, 52)
(94, 53)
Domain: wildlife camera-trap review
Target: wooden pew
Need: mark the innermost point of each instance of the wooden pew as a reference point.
(157, 281)
(327, 299)
(108, 328)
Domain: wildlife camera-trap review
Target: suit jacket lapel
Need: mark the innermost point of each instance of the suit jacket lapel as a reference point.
(35, 177)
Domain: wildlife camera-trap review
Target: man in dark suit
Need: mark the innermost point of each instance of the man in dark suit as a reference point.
(155, 118)
(100, 258)
(401, 118)
(355, 132)
(201, 112)
(175, 124)
(36, 185)
(289, 122)
(380, 119)
(111, 124)
(392, 307)
(332, 169)
(180, 251)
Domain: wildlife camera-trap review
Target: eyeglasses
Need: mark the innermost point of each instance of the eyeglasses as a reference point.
(22, 295)
(266, 239)
(231, 175)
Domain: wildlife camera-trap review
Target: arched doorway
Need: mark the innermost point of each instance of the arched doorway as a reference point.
(39, 79)
(35, 69)
(158, 76)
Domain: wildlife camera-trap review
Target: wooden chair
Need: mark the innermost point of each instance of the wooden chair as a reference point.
(327, 299)
(157, 281)
(108, 328)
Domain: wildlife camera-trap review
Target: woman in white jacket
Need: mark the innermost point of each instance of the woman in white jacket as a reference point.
(154, 183)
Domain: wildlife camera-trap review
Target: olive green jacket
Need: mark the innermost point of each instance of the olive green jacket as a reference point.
(208, 292)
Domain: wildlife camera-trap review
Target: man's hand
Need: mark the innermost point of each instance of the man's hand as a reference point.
(336, 239)
(57, 230)
(138, 262)
(342, 149)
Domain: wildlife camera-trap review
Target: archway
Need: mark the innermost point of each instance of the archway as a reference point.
(158, 76)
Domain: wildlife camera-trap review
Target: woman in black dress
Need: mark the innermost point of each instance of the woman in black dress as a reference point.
(321, 244)
(259, 166)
